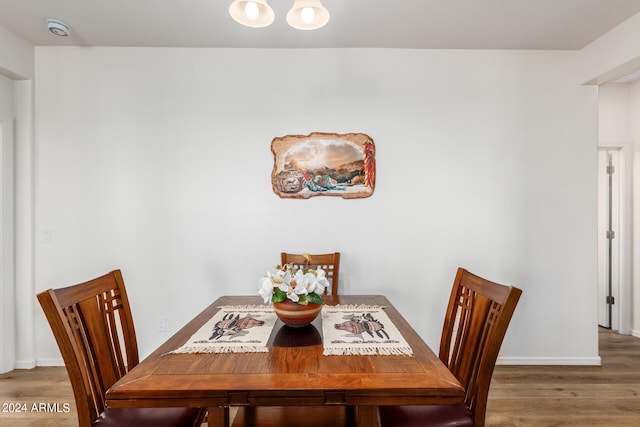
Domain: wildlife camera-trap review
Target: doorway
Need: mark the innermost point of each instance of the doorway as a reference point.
(609, 236)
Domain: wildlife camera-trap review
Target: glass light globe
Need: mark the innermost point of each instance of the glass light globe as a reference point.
(251, 10)
(308, 14)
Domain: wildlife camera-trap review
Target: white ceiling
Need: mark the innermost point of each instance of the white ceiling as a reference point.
(424, 24)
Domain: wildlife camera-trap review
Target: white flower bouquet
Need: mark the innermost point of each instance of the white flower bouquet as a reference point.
(300, 285)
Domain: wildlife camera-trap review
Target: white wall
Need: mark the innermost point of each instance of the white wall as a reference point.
(634, 111)
(634, 131)
(17, 58)
(614, 126)
(158, 162)
(7, 291)
(24, 224)
(612, 55)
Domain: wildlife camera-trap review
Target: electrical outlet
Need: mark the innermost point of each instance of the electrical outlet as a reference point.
(45, 235)
(161, 324)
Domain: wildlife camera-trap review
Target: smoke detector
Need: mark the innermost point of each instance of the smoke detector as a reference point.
(58, 28)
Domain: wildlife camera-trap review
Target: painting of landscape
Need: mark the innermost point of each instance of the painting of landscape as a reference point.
(323, 164)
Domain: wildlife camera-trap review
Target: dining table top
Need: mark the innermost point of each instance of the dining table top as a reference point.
(288, 373)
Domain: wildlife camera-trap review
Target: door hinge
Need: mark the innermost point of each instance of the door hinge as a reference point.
(611, 170)
(610, 300)
(611, 234)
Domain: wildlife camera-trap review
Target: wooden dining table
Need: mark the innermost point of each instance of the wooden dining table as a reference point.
(289, 374)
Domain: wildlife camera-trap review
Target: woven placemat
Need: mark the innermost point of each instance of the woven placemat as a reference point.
(233, 329)
(361, 330)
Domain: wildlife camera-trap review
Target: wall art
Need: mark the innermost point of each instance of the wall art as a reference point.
(323, 164)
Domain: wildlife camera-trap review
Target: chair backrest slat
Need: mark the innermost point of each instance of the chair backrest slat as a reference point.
(330, 263)
(476, 321)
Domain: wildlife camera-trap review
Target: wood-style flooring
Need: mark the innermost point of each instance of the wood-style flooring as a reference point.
(607, 395)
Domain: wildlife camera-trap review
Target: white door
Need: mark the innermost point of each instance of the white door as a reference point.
(609, 200)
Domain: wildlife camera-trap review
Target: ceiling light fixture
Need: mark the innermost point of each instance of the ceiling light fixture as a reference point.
(304, 15)
(307, 15)
(252, 13)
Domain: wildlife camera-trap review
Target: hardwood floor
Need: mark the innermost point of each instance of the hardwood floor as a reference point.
(607, 395)
(22, 388)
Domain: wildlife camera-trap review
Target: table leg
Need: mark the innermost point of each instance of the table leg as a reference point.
(367, 416)
(351, 415)
(218, 416)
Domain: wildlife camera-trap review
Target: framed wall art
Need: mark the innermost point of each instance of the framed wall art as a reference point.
(323, 164)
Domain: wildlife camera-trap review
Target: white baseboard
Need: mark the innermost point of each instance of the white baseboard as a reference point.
(583, 361)
(25, 364)
(50, 362)
(635, 333)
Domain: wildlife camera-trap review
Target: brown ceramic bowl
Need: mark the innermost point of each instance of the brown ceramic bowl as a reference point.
(296, 315)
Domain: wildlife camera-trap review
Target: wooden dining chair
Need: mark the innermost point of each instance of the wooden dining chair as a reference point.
(476, 321)
(93, 327)
(330, 263)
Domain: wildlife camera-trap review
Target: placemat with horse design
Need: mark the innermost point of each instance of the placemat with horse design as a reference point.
(233, 329)
(361, 330)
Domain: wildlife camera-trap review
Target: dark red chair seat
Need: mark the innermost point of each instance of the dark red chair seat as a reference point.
(426, 416)
(148, 417)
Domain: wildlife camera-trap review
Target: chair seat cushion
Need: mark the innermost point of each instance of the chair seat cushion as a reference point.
(292, 416)
(149, 417)
(426, 416)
